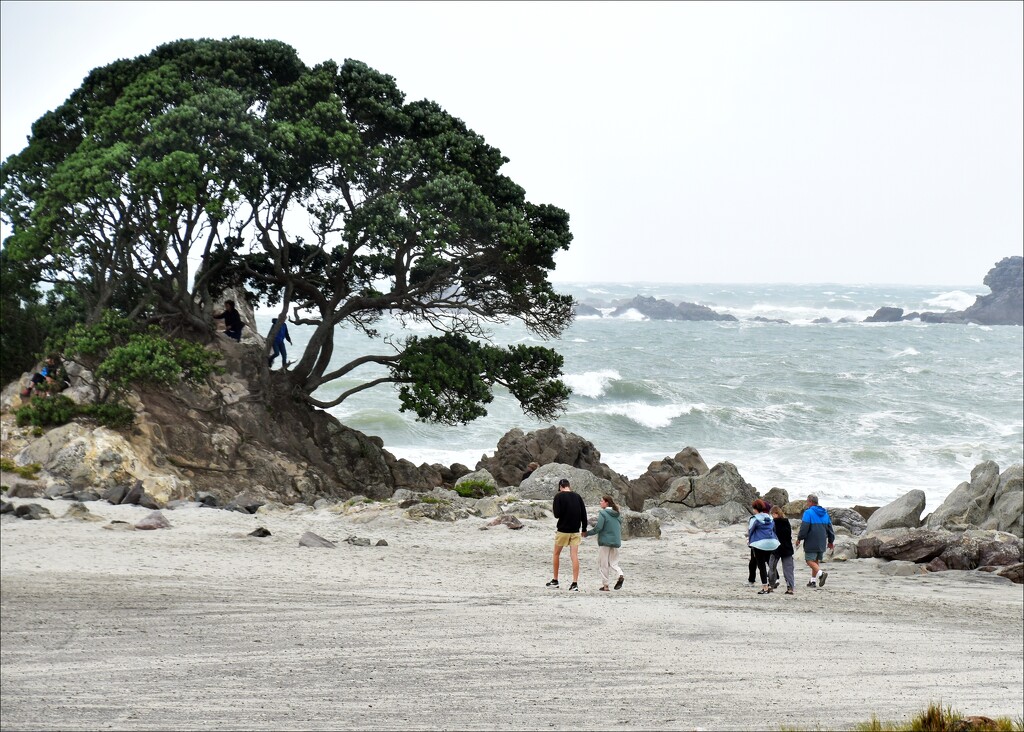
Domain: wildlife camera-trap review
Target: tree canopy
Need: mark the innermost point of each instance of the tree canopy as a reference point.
(207, 164)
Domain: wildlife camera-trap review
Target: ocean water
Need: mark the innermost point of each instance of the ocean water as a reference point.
(856, 412)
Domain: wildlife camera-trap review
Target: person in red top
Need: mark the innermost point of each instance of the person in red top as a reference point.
(571, 512)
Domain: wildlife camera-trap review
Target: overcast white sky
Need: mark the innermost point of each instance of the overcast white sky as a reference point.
(703, 142)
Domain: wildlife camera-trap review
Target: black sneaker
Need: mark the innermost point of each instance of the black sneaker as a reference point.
(618, 583)
(552, 583)
(573, 588)
(812, 583)
(821, 579)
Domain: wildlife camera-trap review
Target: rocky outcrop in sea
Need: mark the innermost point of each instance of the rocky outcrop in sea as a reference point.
(1003, 306)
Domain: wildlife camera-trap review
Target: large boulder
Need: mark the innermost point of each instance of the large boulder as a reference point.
(1007, 512)
(988, 499)
(516, 450)
(660, 474)
(904, 512)
(720, 485)
(847, 518)
(542, 485)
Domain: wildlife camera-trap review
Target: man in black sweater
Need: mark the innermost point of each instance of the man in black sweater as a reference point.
(571, 512)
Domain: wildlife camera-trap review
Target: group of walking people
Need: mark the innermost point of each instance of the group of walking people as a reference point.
(770, 538)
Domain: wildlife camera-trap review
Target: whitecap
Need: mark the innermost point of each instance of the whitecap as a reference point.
(955, 300)
(909, 351)
(632, 314)
(591, 383)
(649, 415)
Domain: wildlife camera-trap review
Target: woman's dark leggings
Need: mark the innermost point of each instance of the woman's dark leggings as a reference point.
(761, 556)
(752, 566)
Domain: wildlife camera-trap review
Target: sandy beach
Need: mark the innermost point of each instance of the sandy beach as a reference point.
(450, 627)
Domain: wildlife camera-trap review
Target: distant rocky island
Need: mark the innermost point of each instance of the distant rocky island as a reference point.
(1004, 306)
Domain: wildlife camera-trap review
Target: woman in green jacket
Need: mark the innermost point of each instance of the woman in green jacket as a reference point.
(609, 539)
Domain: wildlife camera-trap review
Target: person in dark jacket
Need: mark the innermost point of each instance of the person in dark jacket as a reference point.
(816, 533)
(783, 554)
(609, 538)
(571, 512)
(232, 320)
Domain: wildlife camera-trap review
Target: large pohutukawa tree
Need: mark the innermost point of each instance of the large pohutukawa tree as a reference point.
(166, 178)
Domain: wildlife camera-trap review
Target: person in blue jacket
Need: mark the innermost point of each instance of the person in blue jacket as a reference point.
(816, 533)
(761, 538)
(279, 348)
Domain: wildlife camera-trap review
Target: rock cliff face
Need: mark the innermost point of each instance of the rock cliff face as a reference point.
(1005, 306)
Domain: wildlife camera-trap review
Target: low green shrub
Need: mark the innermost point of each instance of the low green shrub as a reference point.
(57, 410)
(46, 411)
(475, 489)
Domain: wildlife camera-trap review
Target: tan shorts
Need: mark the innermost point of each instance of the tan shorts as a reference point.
(563, 539)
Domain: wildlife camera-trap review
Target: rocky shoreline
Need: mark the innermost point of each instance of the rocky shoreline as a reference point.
(1003, 306)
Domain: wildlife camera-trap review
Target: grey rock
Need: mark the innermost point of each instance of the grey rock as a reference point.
(531, 511)
(32, 512)
(6, 507)
(381, 542)
(506, 520)
(543, 484)
(1007, 510)
(357, 541)
(79, 512)
(153, 520)
(904, 512)
(777, 497)
(259, 532)
(721, 485)
(885, 315)
(115, 494)
(489, 507)
(639, 525)
(661, 475)
(134, 494)
(309, 539)
(25, 489)
(970, 503)
(120, 526)
(84, 496)
(442, 511)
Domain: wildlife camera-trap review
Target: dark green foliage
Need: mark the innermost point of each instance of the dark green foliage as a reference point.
(122, 353)
(46, 411)
(58, 409)
(450, 378)
(475, 489)
(318, 188)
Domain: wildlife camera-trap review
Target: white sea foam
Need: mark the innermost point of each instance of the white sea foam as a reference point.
(591, 383)
(909, 351)
(955, 300)
(648, 415)
(631, 314)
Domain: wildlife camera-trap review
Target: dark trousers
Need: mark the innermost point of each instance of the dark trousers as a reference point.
(761, 557)
(751, 566)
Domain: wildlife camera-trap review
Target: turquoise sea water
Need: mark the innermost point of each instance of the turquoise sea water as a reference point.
(859, 413)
